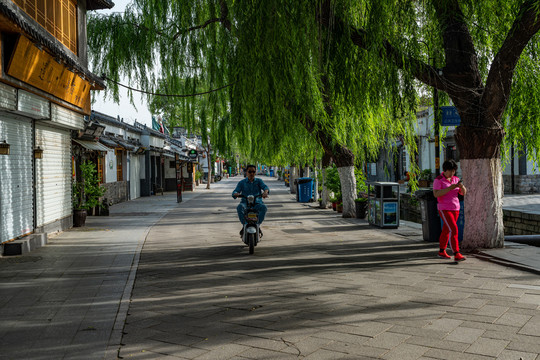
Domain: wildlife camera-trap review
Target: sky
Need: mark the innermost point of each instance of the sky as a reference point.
(124, 109)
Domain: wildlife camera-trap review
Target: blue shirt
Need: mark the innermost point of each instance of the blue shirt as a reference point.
(246, 188)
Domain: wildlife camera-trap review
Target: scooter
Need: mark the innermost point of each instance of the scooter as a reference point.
(251, 233)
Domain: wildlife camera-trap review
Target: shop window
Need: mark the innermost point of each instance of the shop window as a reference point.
(172, 164)
(58, 17)
(119, 168)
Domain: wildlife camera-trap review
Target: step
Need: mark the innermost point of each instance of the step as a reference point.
(25, 244)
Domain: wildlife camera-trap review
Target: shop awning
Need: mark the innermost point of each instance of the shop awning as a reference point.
(126, 145)
(91, 145)
(109, 142)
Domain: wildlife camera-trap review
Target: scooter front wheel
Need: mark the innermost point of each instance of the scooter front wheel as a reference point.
(251, 243)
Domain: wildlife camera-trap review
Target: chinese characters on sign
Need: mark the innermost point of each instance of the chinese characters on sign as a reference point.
(450, 116)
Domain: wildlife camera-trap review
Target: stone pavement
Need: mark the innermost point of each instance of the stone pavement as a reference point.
(317, 287)
(69, 299)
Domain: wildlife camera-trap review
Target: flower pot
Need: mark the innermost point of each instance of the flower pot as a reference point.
(361, 209)
(79, 218)
(339, 208)
(424, 183)
(334, 206)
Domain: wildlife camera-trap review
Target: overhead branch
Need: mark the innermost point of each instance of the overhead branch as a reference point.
(167, 95)
(427, 74)
(223, 19)
(461, 60)
(499, 81)
(359, 37)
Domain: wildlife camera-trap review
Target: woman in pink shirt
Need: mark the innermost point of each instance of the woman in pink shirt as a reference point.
(446, 188)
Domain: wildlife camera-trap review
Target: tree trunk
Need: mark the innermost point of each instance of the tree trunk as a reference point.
(292, 177)
(484, 227)
(344, 160)
(348, 190)
(209, 169)
(482, 176)
(315, 182)
(325, 196)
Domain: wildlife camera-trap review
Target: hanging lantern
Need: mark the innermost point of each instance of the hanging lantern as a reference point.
(38, 153)
(4, 148)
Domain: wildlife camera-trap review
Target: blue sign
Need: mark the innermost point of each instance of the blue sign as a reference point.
(450, 116)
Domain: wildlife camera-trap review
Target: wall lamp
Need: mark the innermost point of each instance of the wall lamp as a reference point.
(4, 148)
(38, 153)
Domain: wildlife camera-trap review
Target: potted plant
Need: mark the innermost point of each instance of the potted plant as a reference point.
(86, 193)
(339, 207)
(424, 180)
(198, 177)
(361, 206)
(334, 202)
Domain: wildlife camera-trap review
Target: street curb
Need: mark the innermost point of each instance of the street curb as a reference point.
(498, 260)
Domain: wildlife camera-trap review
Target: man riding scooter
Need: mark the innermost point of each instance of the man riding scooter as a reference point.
(251, 186)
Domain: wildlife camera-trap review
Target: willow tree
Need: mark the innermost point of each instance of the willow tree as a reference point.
(278, 67)
(484, 55)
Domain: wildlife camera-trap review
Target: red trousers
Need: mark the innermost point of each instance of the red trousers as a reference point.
(449, 230)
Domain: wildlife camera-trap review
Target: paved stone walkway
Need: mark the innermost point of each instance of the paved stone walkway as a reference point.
(69, 299)
(318, 287)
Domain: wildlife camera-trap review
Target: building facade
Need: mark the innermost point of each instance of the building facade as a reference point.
(45, 90)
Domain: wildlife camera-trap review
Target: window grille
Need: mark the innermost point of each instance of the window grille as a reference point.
(58, 17)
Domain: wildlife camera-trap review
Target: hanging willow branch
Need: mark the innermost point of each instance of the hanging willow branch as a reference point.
(167, 95)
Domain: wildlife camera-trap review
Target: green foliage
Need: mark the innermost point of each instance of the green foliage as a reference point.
(198, 175)
(426, 175)
(88, 191)
(333, 183)
(281, 66)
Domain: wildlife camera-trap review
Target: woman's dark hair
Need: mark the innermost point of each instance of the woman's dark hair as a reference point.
(449, 165)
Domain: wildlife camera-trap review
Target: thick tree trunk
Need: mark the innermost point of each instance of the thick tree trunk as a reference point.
(484, 226)
(344, 160)
(482, 176)
(325, 196)
(292, 177)
(348, 190)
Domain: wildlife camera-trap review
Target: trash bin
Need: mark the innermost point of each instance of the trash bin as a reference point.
(383, 204)
(271, 172)
(431, 223)
(304, 191)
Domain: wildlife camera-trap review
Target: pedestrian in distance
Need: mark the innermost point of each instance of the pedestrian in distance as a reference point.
(251, 186)
(446, 188)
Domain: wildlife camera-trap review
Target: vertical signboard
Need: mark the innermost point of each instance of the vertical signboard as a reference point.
(179, 178)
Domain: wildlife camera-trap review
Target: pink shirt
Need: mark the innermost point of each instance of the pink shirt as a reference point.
(449, 201)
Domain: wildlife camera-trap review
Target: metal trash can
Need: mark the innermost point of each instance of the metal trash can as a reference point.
(431, 222)
(383, 205)
(304, 191)
(271, 172)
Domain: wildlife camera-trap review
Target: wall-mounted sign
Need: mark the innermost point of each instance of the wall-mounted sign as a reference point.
(41, 70)
(450, 116)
